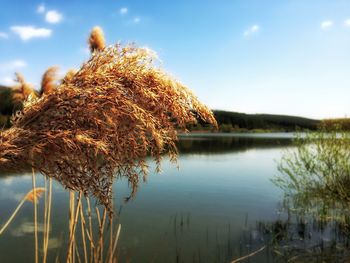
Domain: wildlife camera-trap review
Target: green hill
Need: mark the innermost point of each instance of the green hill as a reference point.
(228, 121)
(7, 107)
(231, 121)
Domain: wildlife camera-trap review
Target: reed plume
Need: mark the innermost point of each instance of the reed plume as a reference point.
(96, 40)
(117, 109)
(48, 82)
(23, 90)
(32, 195)
(69, 76)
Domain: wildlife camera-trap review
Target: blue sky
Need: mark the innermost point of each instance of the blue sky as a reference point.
(284, 57)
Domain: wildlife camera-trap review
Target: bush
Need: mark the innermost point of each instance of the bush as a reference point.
(225, 127)
(318, 167)
(4, 121)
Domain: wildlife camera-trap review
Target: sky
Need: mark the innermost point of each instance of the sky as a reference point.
(281, 57)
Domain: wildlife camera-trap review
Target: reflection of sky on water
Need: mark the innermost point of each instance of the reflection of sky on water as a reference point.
(221, 186)
(26, 228)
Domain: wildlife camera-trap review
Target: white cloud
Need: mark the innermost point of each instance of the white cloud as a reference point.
(255, 28)
(8, 81)
(252, 30)
(41, 9)
(28, 32)
(26, 228)
(12, 65)
(4, 35)
(7, 68)
(53, 17)
(327, 24)
(8, 180)
(347, 22)
(18, 63)
(136, 20)
(123, 11)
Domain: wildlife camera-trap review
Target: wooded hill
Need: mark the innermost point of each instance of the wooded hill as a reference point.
(227, 121)
(235, 121)
(7, 107)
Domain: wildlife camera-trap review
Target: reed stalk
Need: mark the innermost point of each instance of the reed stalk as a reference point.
(82, 223)
(27, 197)
(115, 244)
(45, 217)
(12, 216)
(101, 230)
(77, 253)
(36, 250)
(47, 223)
(110, 237)
(249, 255)
(90, 230)
(73, 227)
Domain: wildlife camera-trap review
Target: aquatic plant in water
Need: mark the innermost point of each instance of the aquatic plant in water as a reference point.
(318, 167)
(315, 177)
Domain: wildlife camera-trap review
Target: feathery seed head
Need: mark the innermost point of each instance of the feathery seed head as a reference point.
(96, 40)
(118, 109)
(48, 80)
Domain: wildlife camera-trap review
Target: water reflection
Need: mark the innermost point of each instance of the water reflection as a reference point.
(211, 144)
(315, 225)
(310, 229)
(214, 144)
(318, 233)
(204, 212)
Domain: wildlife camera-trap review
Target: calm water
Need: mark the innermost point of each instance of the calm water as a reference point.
(207, 211)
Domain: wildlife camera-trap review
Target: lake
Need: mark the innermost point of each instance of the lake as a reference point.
(219, 205)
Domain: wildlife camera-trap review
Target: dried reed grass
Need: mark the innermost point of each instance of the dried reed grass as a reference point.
(48, 82)
(23, 90)
(78, 242)
(103, 122)
(69, 76)
(36, 247)
(96, 40)
(35, 194)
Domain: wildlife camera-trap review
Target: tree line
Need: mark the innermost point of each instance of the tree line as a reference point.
(228, 121)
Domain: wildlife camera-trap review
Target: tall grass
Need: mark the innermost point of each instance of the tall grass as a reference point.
(47, 217)
(82, 245)
(318, 166)
(36, 251)
(96, 243)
